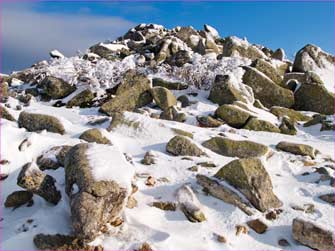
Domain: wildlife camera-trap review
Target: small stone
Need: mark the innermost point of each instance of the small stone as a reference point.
(18, 198)
(240, 229)
(149, 159)
(117, 222)
(283, 243)
(94, 135)
(131, 203)
(258, 226)
(166, 206)
(221, 238)
(329, 198)
(145, 247)
(151, 181)
(271, 215)
(193, 168)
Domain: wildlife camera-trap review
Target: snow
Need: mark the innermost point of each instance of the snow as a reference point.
(212, 31)
(109, 164)
(327, 74)
(114, 47)
(56, 54)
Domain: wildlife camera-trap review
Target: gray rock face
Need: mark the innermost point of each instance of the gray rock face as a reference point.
(180, 145)
(56, 88)
(96, 202)
(250, 177)
(35, 181)
(268, 92)
(94, 135)
(223, 193)
(235, 148)
(223, 91)
(298, 149)
(18, 198)
(52, 158)
(132, 93)
(310, 57)
(35, 122)
(312, 235)
(163, 97)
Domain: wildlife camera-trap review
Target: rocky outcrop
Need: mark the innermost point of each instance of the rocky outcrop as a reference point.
(250, 177)
(35, 122)
(235, 148)
(95, 201)
(18, 198)
(169, 84)
(224, 91)
(312, 235)
(34, 180)
(82, 99)
(94, 135)
(62, 242)
(180, 145)
(268, 92)
(290, 113)
(56, 88)
(255, 124)
(233, 115)
(223, 193)
(52, 158)
(269, 70)
(132, 93)
(163, 97)
(298, 149)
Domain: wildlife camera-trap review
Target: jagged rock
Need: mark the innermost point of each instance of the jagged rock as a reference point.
(145, 247)
(258, 226)
(18, 198)
(4, 89)
(235, 148)
(310, 57)
(224, 91)
(250, 177)
(173, 114)
(269, 70)
(180, 58)
(189, 204)
(166, 206)
(182, 133)
(268, 92)
(286, 112)
(95, 201)
(312, 235)
(283, 243)
(56, 88)
(240, 229)
(180, 145)
(35, 122)
(109, 53)
(132, 202)
(81, 99)
(279, 54)
(119, 119)
(186, 34)
(287, 126)
(233, 115)
(163, 97)
(256, 124)
(234, 46)
(94, 135)
(149, 159)
(35, 181)
(5, 114)
(52, 158)
(185, 102)
(314, 97)
(298, 149)
(132, 93)
(169, 84)
(208, 121)
(329, 198)
(62, 242)
(223, 193)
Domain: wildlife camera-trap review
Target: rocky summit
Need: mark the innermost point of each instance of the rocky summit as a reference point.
(169, 139)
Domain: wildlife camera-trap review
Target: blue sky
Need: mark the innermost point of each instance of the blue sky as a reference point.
(30, 30)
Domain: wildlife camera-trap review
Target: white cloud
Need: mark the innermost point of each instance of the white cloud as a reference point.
(28, 36)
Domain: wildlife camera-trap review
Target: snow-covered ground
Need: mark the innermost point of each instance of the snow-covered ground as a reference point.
(165, 230)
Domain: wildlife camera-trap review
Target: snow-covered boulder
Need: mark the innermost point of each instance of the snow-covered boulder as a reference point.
(56, 88)
(98, 181)
(298, 149)
(180, 145)
(163, 97)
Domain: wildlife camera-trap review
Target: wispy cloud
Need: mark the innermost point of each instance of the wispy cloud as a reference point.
(28, 36)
